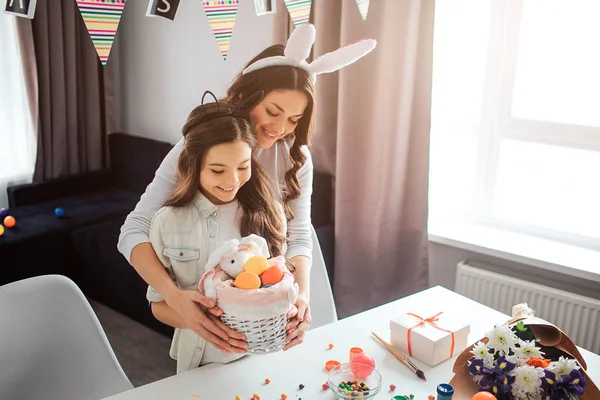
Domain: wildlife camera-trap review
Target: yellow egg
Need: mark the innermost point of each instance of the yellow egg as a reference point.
(247, 280)
(256, 264)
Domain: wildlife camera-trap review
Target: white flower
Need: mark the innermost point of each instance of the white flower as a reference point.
(515, 359)
(563, 366)
(501, 339)
(527, 350)
(480, 351)
(527, 380)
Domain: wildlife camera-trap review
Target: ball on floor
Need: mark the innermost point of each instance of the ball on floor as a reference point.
(59, 212)
(10, 222)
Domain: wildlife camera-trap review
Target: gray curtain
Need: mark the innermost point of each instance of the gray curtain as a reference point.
(73, 88)
(372, 134)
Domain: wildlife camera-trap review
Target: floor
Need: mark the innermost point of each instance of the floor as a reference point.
(142, 352)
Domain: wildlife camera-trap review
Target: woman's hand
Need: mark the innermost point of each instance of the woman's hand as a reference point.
(299, 323)
(190, 305)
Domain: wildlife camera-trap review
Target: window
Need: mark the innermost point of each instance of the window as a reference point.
(515, 137)
(17, 134)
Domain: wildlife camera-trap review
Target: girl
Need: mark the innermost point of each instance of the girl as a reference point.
(282, 122)
(221, 194)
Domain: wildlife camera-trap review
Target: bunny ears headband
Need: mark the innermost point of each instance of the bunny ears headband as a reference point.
(298, 49)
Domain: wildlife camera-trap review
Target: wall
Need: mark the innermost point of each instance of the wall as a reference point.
(443, 260)
(165, 66)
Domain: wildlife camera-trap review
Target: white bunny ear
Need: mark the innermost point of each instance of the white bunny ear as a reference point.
(300, 42)
(258, 244)
(341, 57)
(227, 249)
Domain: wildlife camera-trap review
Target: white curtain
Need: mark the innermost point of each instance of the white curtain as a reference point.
(18, 111)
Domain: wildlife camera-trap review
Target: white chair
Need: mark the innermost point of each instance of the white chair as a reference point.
(52, 345)
(322, 305)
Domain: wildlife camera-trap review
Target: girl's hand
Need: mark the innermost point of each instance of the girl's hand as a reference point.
(299, 323)
(189, 304)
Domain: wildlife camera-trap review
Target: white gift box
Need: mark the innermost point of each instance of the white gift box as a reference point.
(428, 343)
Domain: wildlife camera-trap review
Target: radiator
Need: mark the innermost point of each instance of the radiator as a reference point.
(576, 315)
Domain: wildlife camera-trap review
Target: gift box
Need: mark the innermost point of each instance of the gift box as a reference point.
(430, 338)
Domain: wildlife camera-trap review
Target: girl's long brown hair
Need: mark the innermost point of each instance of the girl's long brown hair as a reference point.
(281, 78)
(212, 124)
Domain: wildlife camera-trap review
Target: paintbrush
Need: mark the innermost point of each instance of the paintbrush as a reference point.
(405, 360)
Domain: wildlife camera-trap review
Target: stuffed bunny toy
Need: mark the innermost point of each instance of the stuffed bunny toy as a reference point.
(231, 257)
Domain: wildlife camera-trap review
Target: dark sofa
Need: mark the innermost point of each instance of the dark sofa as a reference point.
(83, 244)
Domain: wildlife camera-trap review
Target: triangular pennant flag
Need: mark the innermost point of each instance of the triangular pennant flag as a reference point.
(162, 8)
(20, 8)
(299, 10)
(363, 7)
(221, 15)
(102, 21)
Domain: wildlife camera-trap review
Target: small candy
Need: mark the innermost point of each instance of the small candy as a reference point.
(392, 387)
(9, 222)
(329, 365)
(59, 212)
(431, 397)
(325, 386)
(1, 230)
(267, 381)
(301, 386)
(238, 398)
(256, 396)
(283, 396)
(3, 213)
(330, 346)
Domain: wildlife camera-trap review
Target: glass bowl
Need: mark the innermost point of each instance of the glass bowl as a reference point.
(343, 373)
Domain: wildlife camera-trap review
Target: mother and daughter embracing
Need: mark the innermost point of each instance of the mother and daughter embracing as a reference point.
(241, 174)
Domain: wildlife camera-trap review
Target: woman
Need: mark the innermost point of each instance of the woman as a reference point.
(282, 121)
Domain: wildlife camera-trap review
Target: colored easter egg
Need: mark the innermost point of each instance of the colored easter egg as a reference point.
(362, 365)
(10, 221)
(483, 396)
(256, 264)
(247, 280)
(272, 275)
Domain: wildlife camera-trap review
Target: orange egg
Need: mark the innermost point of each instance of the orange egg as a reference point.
(9, 222)
(247, 280)
(272, 275)
(483, 396)
(256, 264)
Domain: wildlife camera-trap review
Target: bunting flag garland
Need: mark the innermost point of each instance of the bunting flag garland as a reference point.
(162, 8)
(221, 15)
(102, 21)
(299, 10)
(20, 8)
(363, 7)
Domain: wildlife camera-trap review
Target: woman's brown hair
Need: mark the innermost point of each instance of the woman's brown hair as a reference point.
(215, 123)
(281, 78)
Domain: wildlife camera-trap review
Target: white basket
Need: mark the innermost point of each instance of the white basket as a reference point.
(263, 336)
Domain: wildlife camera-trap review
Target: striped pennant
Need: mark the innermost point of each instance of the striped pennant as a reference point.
(102, 20)
(299, 10)
(221, 15)
(363, 7)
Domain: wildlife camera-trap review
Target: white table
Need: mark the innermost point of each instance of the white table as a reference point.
(304, 364)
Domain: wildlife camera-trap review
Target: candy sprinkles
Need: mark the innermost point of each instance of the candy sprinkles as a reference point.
(354, 387)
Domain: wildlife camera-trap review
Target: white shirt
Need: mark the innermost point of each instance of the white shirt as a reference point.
(276, 162)
(183, 239)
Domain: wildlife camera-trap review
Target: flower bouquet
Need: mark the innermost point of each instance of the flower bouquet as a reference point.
(526, 358)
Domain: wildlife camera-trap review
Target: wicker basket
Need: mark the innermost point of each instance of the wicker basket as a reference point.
(260, 314)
